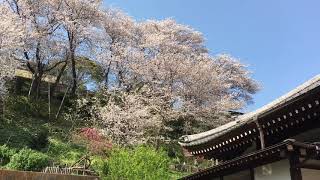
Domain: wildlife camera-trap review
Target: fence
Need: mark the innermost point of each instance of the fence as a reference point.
(26, 175)
(72, 170)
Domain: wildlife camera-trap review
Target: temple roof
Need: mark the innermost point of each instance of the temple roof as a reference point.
(200, 138)
(308, 157)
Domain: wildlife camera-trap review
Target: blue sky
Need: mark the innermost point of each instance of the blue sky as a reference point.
(278, 39)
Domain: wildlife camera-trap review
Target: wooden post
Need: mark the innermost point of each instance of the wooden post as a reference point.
(295, 171)
(261, 133)
(64, 96)
(251, 174)
(49, 101)
(29, 93)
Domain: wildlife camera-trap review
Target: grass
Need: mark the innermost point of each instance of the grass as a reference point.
(64, 153)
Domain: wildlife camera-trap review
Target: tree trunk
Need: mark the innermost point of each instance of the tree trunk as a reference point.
(38, 73)
(54, 86)
(73, 62)
(49, 102)
(2, 110)
(120, 75)
(35, 88)
(74, 74)
(107, 75)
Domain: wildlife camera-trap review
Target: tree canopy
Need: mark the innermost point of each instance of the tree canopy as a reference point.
(148, 74)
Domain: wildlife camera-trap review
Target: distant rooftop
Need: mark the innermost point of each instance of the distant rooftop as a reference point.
(28, 75)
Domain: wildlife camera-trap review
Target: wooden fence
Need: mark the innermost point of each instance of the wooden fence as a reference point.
(27, 175)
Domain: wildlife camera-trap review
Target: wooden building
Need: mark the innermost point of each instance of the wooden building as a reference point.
(275, 142)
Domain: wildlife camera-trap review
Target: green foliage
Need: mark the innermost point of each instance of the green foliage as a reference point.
(39, 139)
(25, 123)
(29, 107)
(139, 163)
(173, 149)
(24, 133)
(98, 163)
(90, 68)
(26, 126)
(5, 154)
(14, 136)
(89, 73)
(64, 153)
(28, 160)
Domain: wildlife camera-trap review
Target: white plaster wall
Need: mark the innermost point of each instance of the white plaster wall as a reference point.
(310, 174)
(275, 171)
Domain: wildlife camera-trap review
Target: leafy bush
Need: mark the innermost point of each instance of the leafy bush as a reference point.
(65, 153)
(5, 154)
(28, 160)
(98, 164)
(140, 163)
(22, 126)
(39, 139)
(173, 149)
(14, 136)
(95, 142)
(24, 105)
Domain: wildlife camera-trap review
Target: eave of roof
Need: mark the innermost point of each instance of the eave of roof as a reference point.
(200, 138)
(257, 158)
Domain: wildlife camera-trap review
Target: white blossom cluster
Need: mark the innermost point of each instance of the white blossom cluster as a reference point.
(11, 37)
(171, 61)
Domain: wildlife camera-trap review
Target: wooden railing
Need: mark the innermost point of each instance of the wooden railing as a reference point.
(70, 170)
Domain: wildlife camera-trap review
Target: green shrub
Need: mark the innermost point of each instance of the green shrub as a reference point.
(22, 127)
(28, 160)
(64, 152)
(5, 154)
(173, 149)
(39, 139)
(98, 164)
(137, 164)
(14, 136)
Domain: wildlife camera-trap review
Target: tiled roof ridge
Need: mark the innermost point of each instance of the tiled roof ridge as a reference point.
(195, 139)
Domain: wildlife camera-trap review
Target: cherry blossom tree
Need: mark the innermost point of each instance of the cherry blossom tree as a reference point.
(156, 72)
(42, 48)
(58, 31)
(172, 72)
(119, 44)
(177, 64)
(11, 37)
(129, 122)
(80, 21)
